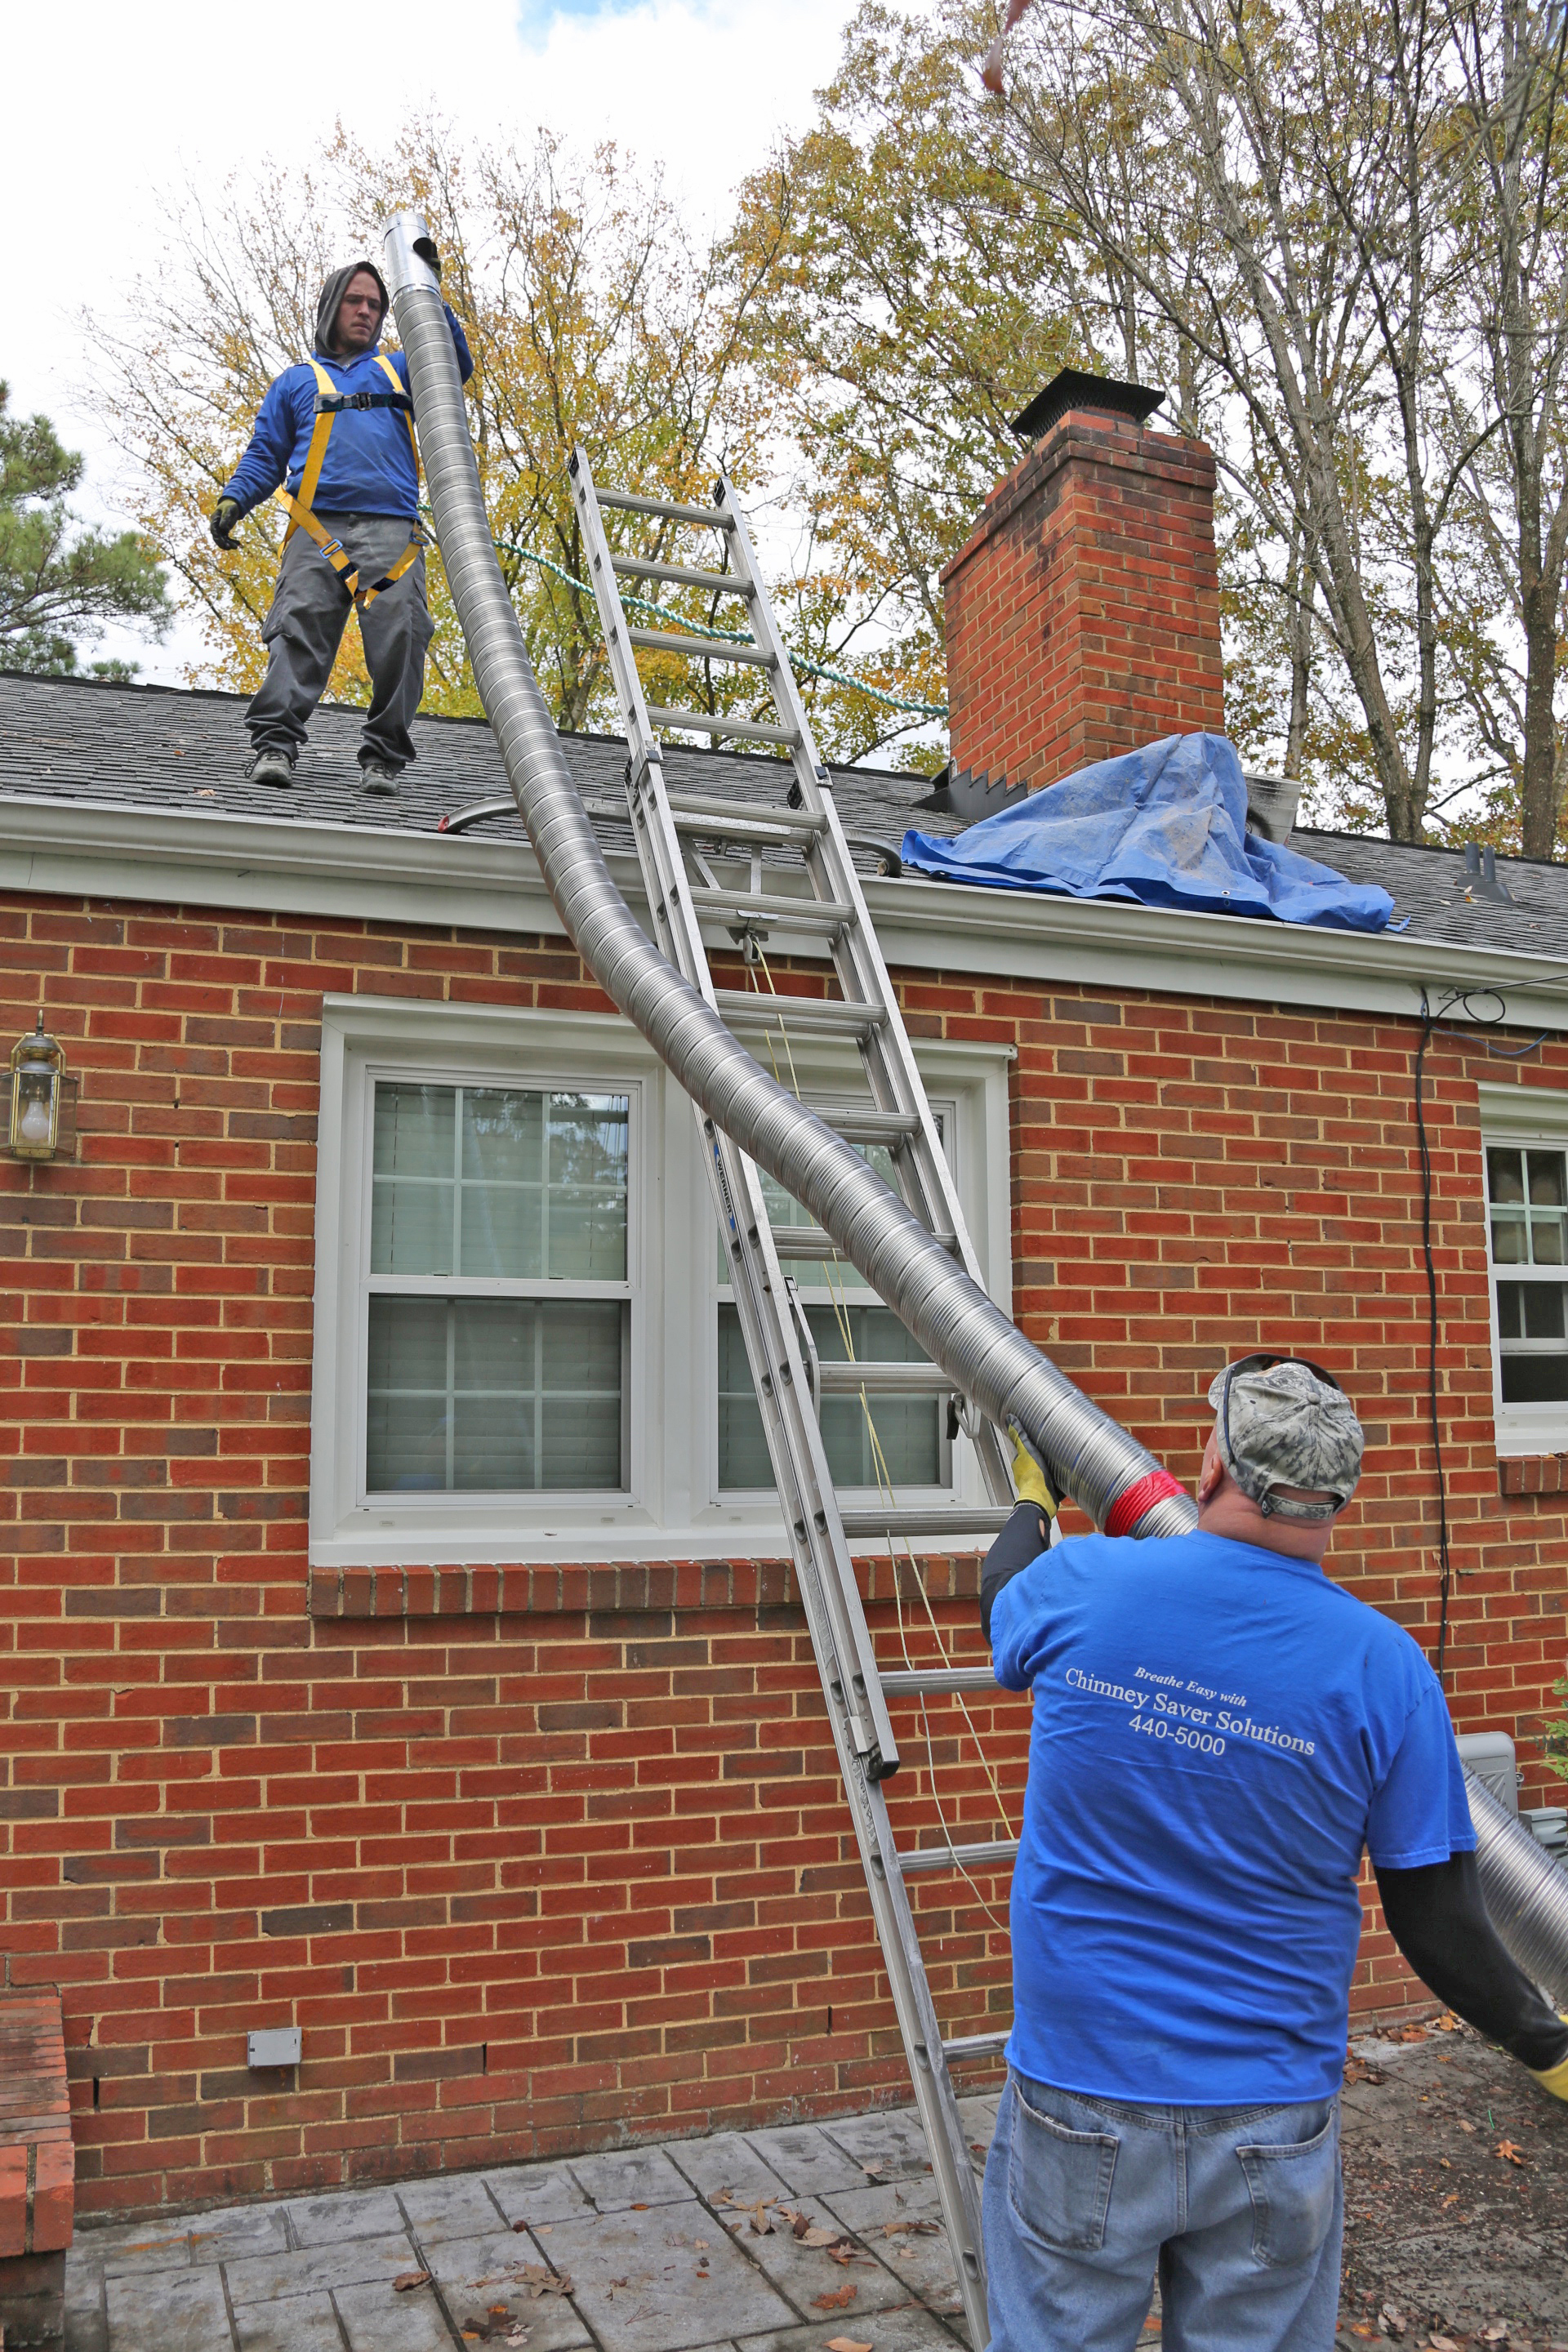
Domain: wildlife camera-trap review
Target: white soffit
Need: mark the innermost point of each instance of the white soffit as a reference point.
(298, 866)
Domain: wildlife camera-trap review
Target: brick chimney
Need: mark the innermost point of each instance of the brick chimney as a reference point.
(1082, 615)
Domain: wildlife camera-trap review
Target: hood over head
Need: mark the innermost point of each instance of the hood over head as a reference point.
(332, 293)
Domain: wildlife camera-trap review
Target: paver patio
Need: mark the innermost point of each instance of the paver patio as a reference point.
(661, 2246)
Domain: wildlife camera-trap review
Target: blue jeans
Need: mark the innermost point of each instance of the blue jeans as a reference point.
(1240, 2209)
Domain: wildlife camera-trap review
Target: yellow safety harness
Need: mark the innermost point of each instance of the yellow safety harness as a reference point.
(329, 403)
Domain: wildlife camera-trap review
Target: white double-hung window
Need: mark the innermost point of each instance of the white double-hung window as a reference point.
(1525, 1138)
(525, 1348)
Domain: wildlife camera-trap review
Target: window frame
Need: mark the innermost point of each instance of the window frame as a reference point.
(1517, 1117)
(671, 1506)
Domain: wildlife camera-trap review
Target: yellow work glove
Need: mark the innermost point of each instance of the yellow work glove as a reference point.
(1029, 1475)
(1555, 2078)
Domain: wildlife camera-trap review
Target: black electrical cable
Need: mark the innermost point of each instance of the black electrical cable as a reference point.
(1430, 1026)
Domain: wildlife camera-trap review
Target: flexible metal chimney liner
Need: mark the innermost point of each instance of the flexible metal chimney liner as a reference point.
(1086, 1454)
(987, 1358)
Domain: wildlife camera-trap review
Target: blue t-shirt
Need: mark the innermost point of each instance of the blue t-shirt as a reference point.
(1219, 1730)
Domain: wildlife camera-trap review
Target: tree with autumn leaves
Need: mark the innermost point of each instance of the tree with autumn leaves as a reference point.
(1333, 231)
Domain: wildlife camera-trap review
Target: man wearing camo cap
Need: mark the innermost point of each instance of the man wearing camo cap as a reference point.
(1218, 1732)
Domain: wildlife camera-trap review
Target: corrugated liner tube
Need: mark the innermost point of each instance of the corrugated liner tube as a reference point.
(1113, 1478)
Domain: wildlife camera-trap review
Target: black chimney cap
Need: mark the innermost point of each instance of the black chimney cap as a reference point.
(1075, 388)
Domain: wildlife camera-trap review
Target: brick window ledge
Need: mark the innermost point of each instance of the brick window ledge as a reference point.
(672, 1585)
(1533, 1474)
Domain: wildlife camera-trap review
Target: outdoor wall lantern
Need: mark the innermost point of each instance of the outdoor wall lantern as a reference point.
(42, 1097)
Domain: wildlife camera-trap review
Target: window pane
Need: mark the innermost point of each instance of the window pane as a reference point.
(1505, 1175)
(1510, 1242)
(414, 1193)
(743, 1449)
(1546, 1179)
(1534, 1380)
(1546, 1240)
(1542, 1310)
(1511, 1309)
(503, 1135)
(494, 1394)
(413, 1128)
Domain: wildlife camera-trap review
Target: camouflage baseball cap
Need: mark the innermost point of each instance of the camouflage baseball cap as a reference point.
(1282, 1421)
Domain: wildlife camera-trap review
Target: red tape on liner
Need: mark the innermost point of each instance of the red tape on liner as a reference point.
(1130, 1504)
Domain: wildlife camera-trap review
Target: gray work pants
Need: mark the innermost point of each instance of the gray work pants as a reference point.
(305, 626)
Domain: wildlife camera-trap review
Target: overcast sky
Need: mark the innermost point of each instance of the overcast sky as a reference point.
(111, 107)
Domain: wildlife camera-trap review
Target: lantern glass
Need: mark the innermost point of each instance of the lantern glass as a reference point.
(37, 1067)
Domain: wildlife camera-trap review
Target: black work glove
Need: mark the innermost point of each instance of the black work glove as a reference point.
(225, 518)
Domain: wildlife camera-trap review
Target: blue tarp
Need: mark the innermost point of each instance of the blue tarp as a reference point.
(1165, 825)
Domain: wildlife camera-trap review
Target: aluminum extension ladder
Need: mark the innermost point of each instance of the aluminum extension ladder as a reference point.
(670, 829)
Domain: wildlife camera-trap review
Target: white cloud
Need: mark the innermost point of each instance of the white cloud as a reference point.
(110, 107)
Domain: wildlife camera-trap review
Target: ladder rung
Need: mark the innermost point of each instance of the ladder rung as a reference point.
(924, 1858)
(685, 575)
(836, 1378)
(939, 1519)
(829, 915)
(762, 821)
(707, 722)
(809, 1016)
(666, 511)
(936, 1682)
(976, 2045)
(869, 1126)
(804, 1241)
(666, 641)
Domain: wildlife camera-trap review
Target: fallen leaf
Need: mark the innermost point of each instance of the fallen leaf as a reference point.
(873, 2169)
(1413, 2034)
(701, 2244)
(536, 2280)
(1510, 2154)
(1465, 2126)
(642, 2209)
(846, 2343)
(407, 2280)
(1443, 2344)
(1496, 2333)
(837, 2299)
(519, 2225)
(799, 2223)
(500, 2311)
(1448, 2023)
(545, 2229)
(1445, 2164)
(842, 2253)
(1448, 2200)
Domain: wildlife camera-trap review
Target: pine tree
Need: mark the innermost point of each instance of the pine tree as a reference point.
(60, 583)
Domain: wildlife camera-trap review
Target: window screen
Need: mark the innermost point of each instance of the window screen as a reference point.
(1527, 1206)
(498, 1218)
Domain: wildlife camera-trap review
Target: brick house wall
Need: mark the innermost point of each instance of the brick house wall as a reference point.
(546, 1858)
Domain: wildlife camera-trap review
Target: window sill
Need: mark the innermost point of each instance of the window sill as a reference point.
(667, 1586)
(1533, 1474)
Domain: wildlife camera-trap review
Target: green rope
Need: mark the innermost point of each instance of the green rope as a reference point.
(730, 636)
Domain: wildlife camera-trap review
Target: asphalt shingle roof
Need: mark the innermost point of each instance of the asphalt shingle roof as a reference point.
(97, 743)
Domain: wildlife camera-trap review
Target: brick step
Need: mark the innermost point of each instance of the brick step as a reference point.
(37, 2169)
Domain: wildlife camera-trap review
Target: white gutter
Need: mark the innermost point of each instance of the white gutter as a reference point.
(302, 865)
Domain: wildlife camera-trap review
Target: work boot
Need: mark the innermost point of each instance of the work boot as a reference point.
(269, 768)
(375, 776)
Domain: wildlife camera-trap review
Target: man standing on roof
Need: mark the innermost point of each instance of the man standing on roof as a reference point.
(339, 431)
(1217, 1732)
